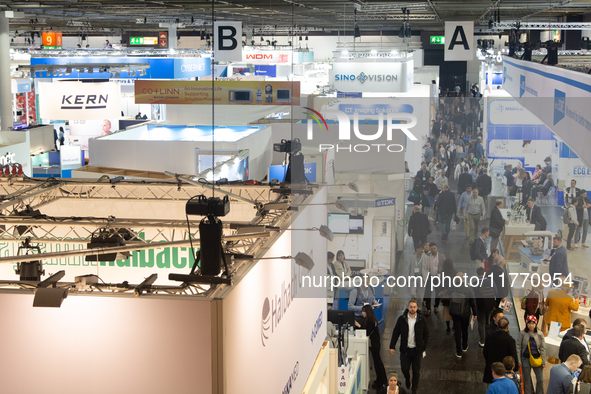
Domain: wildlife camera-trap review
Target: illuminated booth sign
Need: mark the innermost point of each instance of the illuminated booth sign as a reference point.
(51, 39)
(372, 77)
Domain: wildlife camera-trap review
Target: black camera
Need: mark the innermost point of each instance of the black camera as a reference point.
(203, 206)
(288, 146)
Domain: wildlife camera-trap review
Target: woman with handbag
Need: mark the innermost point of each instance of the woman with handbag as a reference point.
(531, 347)
(416, 194)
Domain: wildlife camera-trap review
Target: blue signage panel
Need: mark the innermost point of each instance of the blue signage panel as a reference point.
(386, 202)
(190, 67)
(160, 68)
(266, 70)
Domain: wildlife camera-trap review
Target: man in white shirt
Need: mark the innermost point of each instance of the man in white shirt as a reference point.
(474, 212)
(461, 205)
(441, 180)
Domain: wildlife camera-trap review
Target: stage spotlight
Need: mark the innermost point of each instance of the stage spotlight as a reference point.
(304, 260)
(49, 297)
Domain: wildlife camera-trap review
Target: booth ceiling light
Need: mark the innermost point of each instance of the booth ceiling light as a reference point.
(341, 206)
(304, 260)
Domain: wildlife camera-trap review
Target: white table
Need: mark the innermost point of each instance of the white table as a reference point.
(361, 347)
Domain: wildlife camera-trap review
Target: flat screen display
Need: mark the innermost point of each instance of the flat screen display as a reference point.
(242, 96)
(338, 223)
(356, 224)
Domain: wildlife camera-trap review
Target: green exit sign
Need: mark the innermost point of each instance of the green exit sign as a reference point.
(136, 40)
(438, 40)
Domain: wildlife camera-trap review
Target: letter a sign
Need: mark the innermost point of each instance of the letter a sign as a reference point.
(227, 39)
(459, 41)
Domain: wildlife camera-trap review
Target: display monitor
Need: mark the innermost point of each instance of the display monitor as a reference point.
(341, 317)
(355, 224)
(283, 95)
(338, 223)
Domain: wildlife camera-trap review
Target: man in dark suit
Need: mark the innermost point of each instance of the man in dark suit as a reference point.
(498, 346)
(558, 261)
(423, 174)
(330, 265)
(464, 180)
(574, 346)
(446, 207)
(484, 185)
(418, 226)
(533, 214)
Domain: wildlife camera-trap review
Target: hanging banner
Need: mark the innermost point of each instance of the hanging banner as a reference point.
(226, 92)
(372, 76)
(163, 39)
(79, 101)
(459, 41)
(227, 41)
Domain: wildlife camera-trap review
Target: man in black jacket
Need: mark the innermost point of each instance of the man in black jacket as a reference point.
(464, 180)
(462, 303)
(446, 207)
(480, 247)
(500, 279)
(418, 226)
(533, 214)
(583, 215)
(497, 224)
(484, 185)
(423, 174)
(498, 346)
(574, 346)
(410, 325)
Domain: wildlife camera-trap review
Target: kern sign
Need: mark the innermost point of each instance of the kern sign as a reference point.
(79, 101)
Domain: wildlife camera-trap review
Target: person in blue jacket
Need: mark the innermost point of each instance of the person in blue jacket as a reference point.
(500, 384)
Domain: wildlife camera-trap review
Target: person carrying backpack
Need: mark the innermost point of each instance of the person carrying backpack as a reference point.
(462, 304)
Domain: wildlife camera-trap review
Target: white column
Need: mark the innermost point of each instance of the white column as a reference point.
(172, 36)
(5, 94)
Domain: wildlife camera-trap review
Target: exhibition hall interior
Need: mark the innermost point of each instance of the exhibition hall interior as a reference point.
(345, 196)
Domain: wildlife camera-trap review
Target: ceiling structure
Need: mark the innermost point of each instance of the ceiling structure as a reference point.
(308, 16)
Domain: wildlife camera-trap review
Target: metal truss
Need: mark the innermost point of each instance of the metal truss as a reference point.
(543, 25)
(403, 46)
(394, 7)
(384, 17)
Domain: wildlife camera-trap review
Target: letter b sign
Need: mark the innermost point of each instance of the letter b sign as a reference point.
(227, 41)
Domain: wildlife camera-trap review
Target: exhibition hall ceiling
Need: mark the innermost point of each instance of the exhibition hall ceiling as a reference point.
(278, 15)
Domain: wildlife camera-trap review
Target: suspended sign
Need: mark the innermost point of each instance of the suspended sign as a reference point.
(459, 41)
(163, 39)
(79, 101)
(227, 41)
(51, 39)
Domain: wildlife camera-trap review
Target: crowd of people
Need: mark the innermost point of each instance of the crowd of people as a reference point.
(455, 152)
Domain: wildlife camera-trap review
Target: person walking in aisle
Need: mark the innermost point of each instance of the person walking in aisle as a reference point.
(418, 226)
(559, 261)
(461, 207)
(419, 266)
(497, 224)
(393, 386)
(485, 303)
(480, 247)
(413, 332)
(474, 212)
(498, 346)
(531, 342)
(436, 260)
(462, 303)
(446, 208)
(372, 330)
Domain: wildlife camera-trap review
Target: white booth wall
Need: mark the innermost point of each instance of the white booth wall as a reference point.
(141, 148)
(266, 350)
(100, 344)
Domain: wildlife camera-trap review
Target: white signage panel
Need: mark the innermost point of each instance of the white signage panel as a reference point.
(79, 101)
(459, 37)
(266, 57)
(228, 41)
(558, 97)
(372, 77)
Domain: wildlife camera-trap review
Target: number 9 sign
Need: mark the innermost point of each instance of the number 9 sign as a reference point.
(48, 38)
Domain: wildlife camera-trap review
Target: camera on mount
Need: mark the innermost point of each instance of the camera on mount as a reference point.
(289, 146)
(203, 206)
